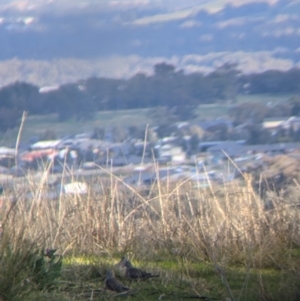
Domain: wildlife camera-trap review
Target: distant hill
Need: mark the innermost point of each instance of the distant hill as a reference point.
(120, 41)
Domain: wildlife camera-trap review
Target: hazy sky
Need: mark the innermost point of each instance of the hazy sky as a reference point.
(167, 4)
(131, 53)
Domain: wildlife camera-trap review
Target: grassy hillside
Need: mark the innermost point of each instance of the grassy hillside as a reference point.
(264, 98)
(37, 125)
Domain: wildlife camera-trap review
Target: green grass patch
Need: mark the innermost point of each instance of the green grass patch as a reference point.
(264, 98)
(37, 125)
(83, 278)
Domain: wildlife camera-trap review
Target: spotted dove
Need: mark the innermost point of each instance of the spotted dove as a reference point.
(134, 273)
(114, 284)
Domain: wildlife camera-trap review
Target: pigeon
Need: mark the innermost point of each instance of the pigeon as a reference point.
(133, 273)
(114, 284)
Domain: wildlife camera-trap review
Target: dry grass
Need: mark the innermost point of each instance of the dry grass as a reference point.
(222, 228)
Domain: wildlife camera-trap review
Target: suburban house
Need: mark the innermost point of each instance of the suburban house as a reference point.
(215, 125)
(170, 153)
(204, 146)
(286, 123)
(7, 156)
(273, 123)
(234, 150)
(292, 123)
(35, 155)
(48, 144)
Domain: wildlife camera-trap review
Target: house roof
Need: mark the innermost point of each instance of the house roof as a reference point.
(30, 156)
(5, 151)
(45, 144)
(233, 149)
(210, 144)
(205, 125)
(275, 119)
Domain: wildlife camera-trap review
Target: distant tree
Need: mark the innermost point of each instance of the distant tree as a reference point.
(137, 132)
(184, 113)
(48, 134)
(199, 87)
(119, 134)
(296, 135)
(104, 92)
(258, 135)
(137, 92)
(164, 70)
(99, 133)
(73, 102)
(279, 110)
(85, 108)
(197, 131)
(178, 92)
(272, 81)
(250, 112)
(294, 102)
(162, 116)
(9, 118)
(65, 108)
(32, 99)
(14, 99)
(152, 136)
(134, 131)
(196, 136)
(224, 81)
(21, 96)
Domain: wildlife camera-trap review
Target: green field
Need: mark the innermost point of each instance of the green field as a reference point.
(264, 98)
(37, 125)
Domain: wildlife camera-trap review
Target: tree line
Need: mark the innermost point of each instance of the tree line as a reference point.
(167, 87)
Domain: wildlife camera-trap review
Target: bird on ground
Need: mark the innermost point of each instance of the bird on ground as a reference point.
(114, 284)
(133, 273)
